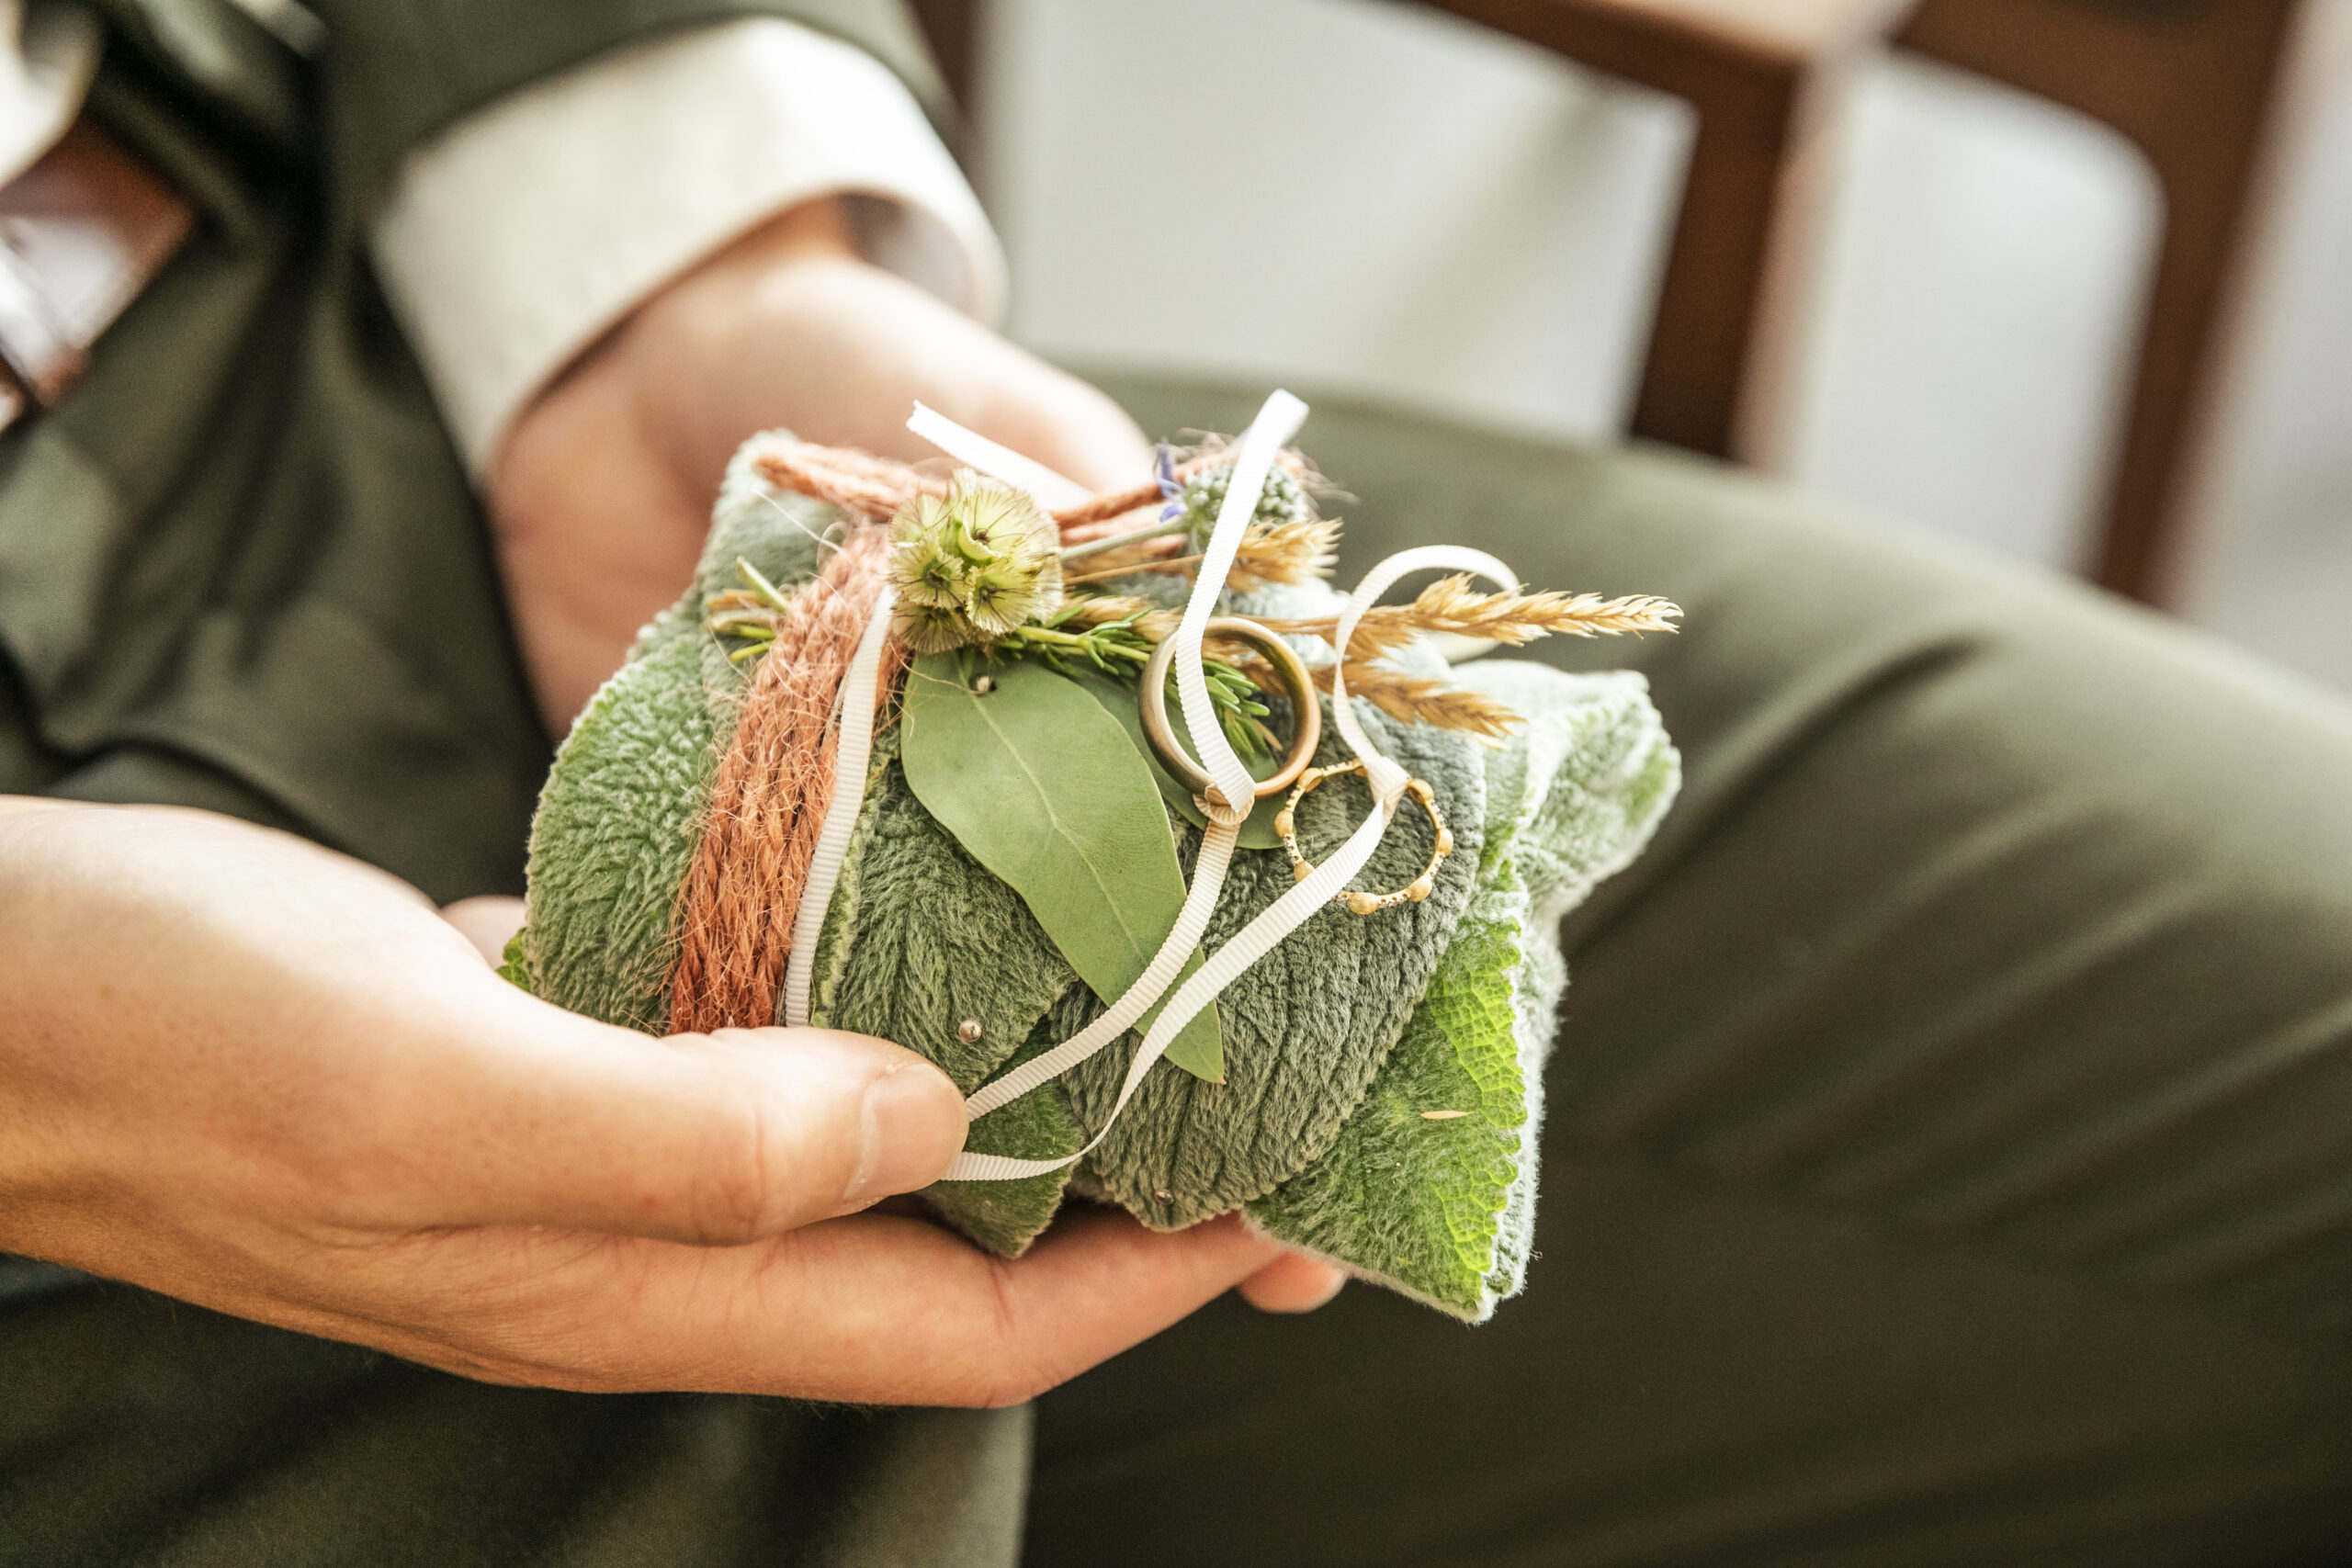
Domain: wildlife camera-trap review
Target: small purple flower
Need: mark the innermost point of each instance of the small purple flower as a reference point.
(1165, 467)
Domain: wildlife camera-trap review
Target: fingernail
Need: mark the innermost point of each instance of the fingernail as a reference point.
(914, 1128)
(1323, 1296)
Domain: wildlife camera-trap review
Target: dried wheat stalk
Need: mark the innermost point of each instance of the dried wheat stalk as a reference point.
(1286, 552)
(1419, 699)
(1451, 605)
(1101, 609)
(1413, 699)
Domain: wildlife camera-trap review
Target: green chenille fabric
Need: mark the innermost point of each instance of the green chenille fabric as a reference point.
(1342, 1017)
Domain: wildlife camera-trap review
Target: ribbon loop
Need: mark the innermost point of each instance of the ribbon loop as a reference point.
(1218, 812)
(1253, 459)
(1226, 805)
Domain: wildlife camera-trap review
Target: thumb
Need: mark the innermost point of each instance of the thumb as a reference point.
(719, 1139)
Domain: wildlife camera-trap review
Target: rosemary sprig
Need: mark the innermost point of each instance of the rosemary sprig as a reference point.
(757, 581)
(1110, 635)
(1120, 649)
(747, 613)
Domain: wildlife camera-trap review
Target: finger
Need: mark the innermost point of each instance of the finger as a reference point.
(1293, 1283)
(524, 1115)
(489, 922)
(868, 1309)
(1100, 1282)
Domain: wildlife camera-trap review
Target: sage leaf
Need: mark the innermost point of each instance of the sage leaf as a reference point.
(1419, 1195)
(1039, 784)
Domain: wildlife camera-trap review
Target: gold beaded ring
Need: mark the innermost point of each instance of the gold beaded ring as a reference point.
(1290, 671)
(1357, 902)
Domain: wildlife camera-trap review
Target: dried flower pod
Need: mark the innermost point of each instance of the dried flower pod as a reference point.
(1283, 501)
(927, 574)
(1002, 596)
(931, 629)
(971, 566)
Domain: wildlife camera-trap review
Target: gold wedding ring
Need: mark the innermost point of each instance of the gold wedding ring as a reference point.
(1357, 902)
(1307, 712)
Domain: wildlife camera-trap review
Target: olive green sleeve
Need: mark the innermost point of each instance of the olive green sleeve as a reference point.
(393, 72)
(387, 74)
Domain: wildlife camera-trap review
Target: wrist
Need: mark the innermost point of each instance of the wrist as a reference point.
(820, 227)
(47, 897)
(704, 358)
(656, 371)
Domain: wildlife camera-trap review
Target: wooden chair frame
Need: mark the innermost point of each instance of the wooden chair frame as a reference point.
(2192, 84)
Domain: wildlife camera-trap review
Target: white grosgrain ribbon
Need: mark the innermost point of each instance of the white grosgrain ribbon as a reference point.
(860, 691)
(1290, 911)
(1276, 423)
(1253, 461)
(970, 447)
(1255, 455)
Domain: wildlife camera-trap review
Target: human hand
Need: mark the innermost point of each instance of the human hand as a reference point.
(600, 494)
(255, 1075)
(1293, 1282)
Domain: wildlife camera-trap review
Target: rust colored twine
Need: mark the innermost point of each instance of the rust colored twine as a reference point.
(853, 481)
(876, 487)
(769, 797)
(768, 800)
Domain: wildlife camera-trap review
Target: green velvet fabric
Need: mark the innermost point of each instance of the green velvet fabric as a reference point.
(139, 1430)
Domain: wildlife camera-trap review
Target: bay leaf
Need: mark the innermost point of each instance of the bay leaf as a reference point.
(1040, 785)
(1118, 699)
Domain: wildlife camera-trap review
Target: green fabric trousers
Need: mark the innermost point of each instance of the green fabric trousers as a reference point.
(1949, 1145)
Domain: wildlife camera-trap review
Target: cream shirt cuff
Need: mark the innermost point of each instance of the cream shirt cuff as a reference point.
(515, 238)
